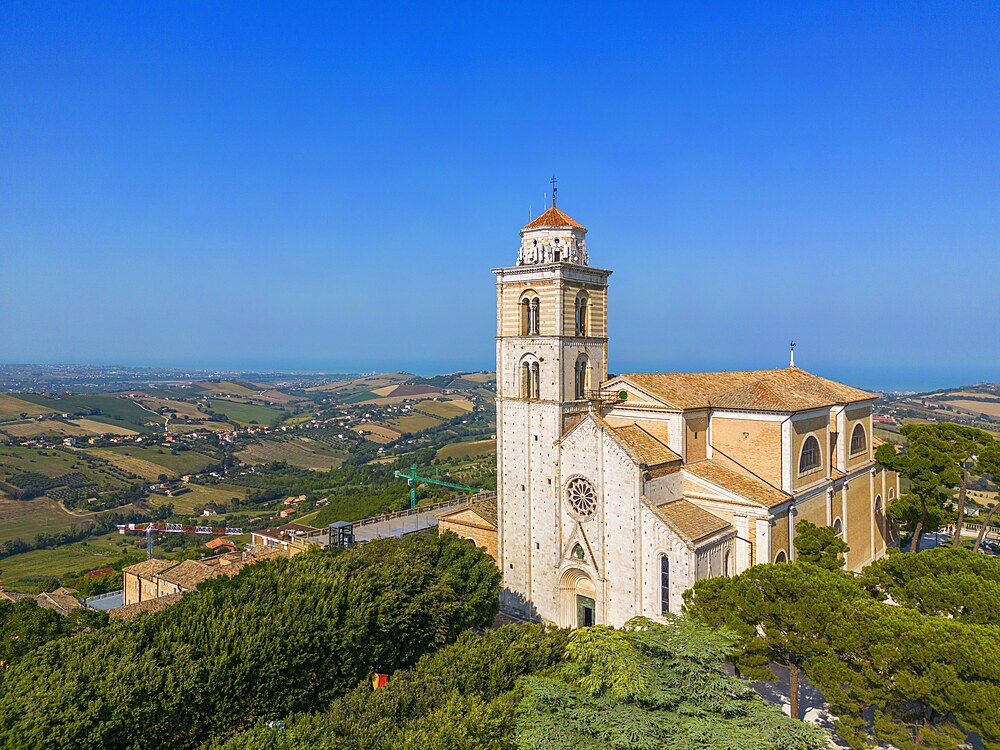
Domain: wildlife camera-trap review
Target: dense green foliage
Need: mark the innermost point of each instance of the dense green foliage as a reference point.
(819, 545)
(463, 696)
(24, 627)
(652, 686)
(942, 581)
(282, 636)
(923, 671)
(646, 686)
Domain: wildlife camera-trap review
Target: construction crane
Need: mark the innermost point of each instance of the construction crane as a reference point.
(412, 479)
(174, 528)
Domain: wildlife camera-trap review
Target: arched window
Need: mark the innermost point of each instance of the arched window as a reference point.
(664, 585)
(859, 440)
(727, 564)
(809, 459)
(838, 528)
(892, 493)
(533, 317)
(878, 505)
(577, 552)
(780, 557)
(580, 380)
(526, 380)
(535, 382)
(470, 539)
(525, 316)
(581, 313)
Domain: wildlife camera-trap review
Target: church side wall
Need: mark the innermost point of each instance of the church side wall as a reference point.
(801, 429)
(858, 415)
(860, 517)
(754, 444)
(695, 437)
(779, 536)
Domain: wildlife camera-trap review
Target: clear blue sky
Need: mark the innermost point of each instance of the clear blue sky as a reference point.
(298, 186)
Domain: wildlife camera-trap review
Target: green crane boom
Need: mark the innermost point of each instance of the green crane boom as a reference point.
(412, 478)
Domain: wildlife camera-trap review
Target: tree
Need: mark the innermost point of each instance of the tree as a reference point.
(930, 464)
(775, 612)
(909, 680)
(965, 444)
(947, 582)
(819, 545)
(989, 463)
(650, 686)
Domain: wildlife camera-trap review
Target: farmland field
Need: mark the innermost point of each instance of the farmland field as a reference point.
(199, 495)
(149, 463)
(991, 408)
(479, 377)
(20, 571)
(226, 386)
(12, 407)
(245, 414)
(413, 423)
(181, 428)
(122, 412)
(25, 518)
(50, 462)
(445, 409)
(301, 451)
(468, 450)
(49, 427)
(183, 408)
(379, 434)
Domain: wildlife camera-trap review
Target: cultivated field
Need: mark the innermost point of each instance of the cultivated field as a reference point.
(992, 408)
(245, 414)
(199, 495)
(120, 412)
(413, 423)
(468, 450)
(58, 427)
(226, 386)
(445, 409)
(23, 570)
(25, 518)
(93, 427)
(378, 433)
(301, 451)
(183, 408)
(12, 407)
(182, 429)
(149, 463)
(51, 462)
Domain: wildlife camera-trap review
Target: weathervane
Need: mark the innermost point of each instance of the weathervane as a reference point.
(554, 190)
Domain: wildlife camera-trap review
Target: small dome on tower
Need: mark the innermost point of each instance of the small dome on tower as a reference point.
(553, 218)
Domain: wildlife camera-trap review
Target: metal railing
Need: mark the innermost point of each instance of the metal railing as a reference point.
(488, 495)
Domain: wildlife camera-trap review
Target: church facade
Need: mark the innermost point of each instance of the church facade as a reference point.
(617, 493)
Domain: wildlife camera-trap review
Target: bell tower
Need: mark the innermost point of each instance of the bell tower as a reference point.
(552, 354)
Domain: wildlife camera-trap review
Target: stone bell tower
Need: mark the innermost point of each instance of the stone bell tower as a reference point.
(552, 352)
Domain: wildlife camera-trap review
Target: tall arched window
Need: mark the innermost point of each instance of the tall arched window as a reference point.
(780, 557)
(809, 459)
(838, 528)
(727, 564)
(859, 440)
(526, 380)
(664, 585)
(582, 300)
(525, 316)
(535, 381)
(580, 380)
(892, 493)
(878, 505)
(533, 311)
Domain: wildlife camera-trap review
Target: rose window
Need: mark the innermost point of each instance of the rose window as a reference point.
(582, 497)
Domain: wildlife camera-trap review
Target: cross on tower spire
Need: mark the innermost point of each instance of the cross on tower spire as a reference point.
(554, 190)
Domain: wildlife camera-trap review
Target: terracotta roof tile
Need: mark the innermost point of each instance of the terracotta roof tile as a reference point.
(486, 509)
(148, 568)
(743, 483)
(189, 574)
(692, 522)
(648, 449)
(553, 218)
(150, 605)
(790, 389)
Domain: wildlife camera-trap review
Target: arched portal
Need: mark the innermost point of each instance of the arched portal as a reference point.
(577, 599)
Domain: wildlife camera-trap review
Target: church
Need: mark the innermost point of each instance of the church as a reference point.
(616, 493)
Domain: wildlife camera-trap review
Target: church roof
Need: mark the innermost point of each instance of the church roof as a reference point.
(738, 481)
(692, 522)
(648, 449)
(553, 218)
(790, 389)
